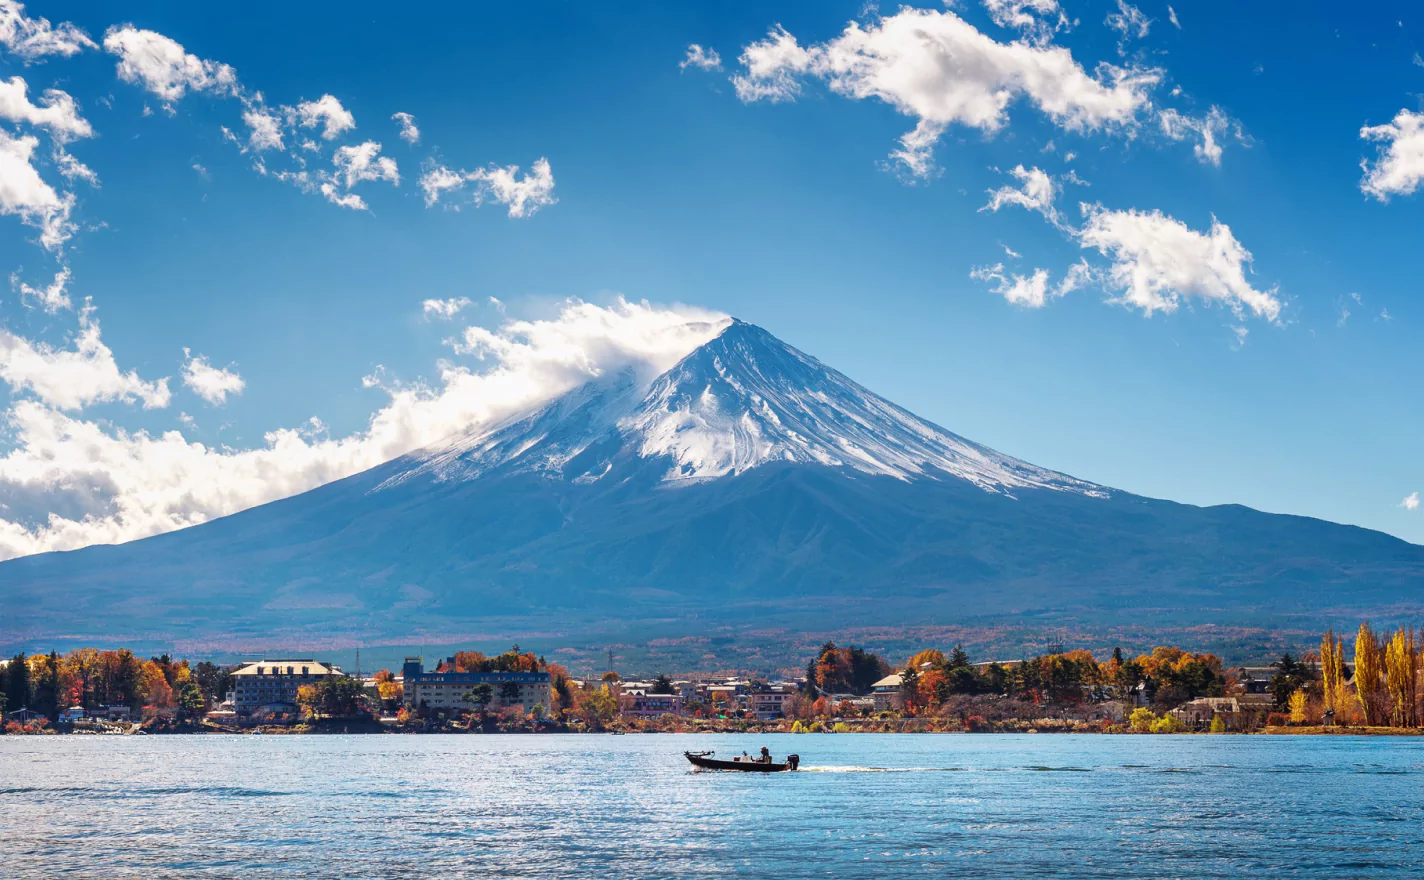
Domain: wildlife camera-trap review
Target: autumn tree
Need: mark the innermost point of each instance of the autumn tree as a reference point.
(1369, 673)
(597, 706)
(1332, 671)
(388, 690)
(1296, 704)
(1401, 677)
(853, 669)
(44, 683)
(336, 696)
(929, 656)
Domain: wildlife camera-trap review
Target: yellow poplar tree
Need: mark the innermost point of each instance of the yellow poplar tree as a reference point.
(1368, 671)
(1401, 676)
(1297, 707)
(1332, 670)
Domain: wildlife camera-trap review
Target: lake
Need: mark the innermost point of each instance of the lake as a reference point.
(630, 806)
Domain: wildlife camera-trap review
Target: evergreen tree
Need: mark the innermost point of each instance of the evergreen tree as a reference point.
(17, 682)
(958, 659)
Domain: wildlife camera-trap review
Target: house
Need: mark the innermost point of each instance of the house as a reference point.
(1254, 679)
(888, 693)
(71, 715)
(1108, 710)
(24, 715)
(271, 685)
(771, 702)
(446, 690)
(723, 696)
(1198, 714)
(642, 704)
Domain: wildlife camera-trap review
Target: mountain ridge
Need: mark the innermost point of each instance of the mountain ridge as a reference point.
(747, 487)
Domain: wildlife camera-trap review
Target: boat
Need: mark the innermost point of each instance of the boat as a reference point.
(705, 761)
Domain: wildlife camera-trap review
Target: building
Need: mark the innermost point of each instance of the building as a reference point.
(642, 704)
(1197, 714)
(1254, 679)
(888, 693)
(446, 690)
(271, 685)
(771, 703)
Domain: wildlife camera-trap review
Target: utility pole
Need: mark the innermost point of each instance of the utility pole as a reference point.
(610, 659)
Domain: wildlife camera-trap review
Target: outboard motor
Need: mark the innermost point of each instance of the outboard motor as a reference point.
(794, 761)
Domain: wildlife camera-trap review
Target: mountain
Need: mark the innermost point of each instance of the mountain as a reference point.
(748, 488)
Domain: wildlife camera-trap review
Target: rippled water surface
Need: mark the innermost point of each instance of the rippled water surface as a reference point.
(563, 806)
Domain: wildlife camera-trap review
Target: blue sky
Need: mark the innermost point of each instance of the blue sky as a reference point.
(779, 203)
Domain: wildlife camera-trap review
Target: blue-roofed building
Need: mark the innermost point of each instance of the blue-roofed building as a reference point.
(446, 690)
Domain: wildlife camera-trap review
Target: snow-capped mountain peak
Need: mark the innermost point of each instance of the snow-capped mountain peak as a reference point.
(742, 400)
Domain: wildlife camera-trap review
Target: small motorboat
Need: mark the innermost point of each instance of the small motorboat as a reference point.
(743, 763)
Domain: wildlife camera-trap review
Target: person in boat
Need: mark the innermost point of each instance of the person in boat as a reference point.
(765, 755)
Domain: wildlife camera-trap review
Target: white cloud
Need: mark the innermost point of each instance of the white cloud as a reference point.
(52, 297)
(702, 59)
(1172, 17)
(57, 113)
(211, 383)
(362, 162)
(1030, 291)
(408, 130)
(438, 180)
(524, 195)
(352, 165)
(72, 169)
(1209, 129)
(162, 66)
(342, 199)
(1037, 191)
(24, 194)
(941, 70)
(1411, 501)
(264, 127)
(1129, 21)
(1399, 167)
(1158, 260)
(71, 379)
(327, 113)
(31, 39)
(772, 68)
(445, 309)
(138, 484)
(1038, 20)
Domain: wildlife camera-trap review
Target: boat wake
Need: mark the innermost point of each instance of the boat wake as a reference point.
(854, 769)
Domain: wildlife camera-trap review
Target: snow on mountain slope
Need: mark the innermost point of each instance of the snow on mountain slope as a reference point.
(746, 399)
(742, 400)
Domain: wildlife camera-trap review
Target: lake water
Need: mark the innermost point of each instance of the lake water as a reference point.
(630, 806)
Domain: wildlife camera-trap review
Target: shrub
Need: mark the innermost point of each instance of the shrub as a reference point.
(1277, 719)
(841, 727)
(1141, 720)
(1168, 723)
(1218, 724)
(976, 724)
